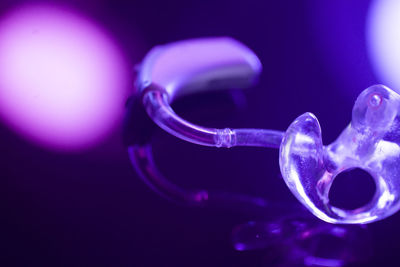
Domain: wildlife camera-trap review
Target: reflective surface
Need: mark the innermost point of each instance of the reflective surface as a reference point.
(299, 240)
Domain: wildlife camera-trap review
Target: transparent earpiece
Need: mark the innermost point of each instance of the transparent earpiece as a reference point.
(370, 142)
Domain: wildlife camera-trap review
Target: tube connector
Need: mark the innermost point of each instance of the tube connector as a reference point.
(225, 138)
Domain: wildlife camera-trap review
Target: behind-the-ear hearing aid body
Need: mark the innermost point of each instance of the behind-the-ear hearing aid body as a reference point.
(370, 142)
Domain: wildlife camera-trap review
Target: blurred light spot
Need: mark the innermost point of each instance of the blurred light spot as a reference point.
(383, 35)
(62, 79)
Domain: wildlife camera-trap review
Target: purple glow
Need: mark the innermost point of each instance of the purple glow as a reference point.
(240, 247)
(384, 41)
(62, 80)
(317, 261)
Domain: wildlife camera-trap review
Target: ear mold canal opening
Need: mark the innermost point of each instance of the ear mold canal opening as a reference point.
(370, 142)
(352, 189)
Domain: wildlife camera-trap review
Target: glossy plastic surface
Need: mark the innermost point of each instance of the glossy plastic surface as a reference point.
(194, 65)
(371, 142)
(156, 102)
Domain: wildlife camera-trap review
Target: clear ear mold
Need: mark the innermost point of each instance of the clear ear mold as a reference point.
(370, 142)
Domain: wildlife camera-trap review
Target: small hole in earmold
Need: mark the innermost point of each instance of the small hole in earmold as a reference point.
(375, 101)
(352, 189)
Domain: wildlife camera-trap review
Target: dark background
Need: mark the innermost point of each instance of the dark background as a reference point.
(91, 209)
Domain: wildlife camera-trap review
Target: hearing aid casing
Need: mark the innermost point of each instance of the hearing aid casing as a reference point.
(189, 66)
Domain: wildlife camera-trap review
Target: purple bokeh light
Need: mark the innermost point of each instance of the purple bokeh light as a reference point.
(383, 35)
(63, 81)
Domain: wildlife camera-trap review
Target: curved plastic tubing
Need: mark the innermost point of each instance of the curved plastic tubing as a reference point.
(197, 65)
(182, 68)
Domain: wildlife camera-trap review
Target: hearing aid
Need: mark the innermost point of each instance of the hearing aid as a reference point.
(370, 142)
